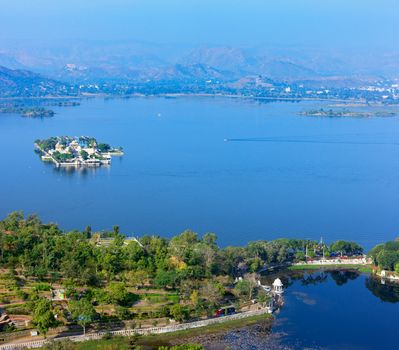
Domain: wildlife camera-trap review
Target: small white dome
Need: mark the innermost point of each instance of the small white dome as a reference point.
(277, 283)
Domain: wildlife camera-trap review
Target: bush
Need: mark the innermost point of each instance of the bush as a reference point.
(123, 313)
(101, 296)
(22, 295)
(18, 310)
(42, 287)
(59, 345)
(179, 313)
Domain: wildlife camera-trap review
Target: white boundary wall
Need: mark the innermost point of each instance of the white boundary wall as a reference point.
(140, 331)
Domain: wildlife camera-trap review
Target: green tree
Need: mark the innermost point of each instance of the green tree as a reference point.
(165, 279)
(387, 259)
(245, 288)
(212, 291)
(82, 312)
(43, 317)
(137, 278)
(118, 293)
(104, 147)
(178, 312)
(300, 256)
(346, 248)
(84, 154)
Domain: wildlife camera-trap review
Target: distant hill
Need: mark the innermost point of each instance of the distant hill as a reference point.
(24, 83)
(136, 62)
(191, 72)
(241, 63)
(234, 60)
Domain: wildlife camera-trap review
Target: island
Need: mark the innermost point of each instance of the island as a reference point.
(334, 113)
(30, 112)
(76, 151)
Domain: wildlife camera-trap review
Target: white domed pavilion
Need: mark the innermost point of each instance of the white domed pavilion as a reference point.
(277, 286)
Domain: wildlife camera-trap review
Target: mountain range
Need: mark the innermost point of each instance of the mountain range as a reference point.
(37, 72)
(26, 83)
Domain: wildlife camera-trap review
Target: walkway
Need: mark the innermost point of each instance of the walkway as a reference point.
(140, 331)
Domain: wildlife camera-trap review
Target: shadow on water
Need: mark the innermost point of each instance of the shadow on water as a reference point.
(311, 277)
(81, 171)
(78, 171)
(387, 292)
(343, 277)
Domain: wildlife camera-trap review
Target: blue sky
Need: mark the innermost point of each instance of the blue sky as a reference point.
(331, 23)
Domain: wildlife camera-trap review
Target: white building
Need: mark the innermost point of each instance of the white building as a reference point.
(278, 286)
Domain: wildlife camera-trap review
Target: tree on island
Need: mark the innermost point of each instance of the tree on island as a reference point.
(104, 147)
(84, 154)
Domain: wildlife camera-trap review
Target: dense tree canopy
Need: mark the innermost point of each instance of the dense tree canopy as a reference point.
(192, 275)
(40, 249)
(386, 256)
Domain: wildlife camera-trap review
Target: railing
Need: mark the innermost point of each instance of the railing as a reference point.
(140, 331)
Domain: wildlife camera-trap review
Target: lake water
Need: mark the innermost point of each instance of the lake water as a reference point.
(338, 310)
(284, 175)
(342, 311)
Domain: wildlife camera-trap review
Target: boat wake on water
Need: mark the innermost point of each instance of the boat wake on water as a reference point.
(277, 140)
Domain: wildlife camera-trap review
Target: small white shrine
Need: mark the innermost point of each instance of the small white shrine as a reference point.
(278, 286)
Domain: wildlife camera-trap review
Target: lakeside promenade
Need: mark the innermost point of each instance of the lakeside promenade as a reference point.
(139, 331)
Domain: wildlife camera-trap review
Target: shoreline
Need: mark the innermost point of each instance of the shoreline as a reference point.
(198, 334)
(361, 103)
(157, 334)
(209, 331)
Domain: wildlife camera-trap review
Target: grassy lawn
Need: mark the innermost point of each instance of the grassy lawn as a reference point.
(119, 343)
(361, 268)
(160, 298)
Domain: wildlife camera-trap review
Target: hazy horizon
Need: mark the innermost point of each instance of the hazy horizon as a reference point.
(329, 24)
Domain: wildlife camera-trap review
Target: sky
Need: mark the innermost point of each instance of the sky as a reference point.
(318, 23)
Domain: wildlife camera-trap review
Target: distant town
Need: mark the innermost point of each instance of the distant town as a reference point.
(195, 79)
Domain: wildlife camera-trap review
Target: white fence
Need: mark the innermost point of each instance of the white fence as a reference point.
(140, 331)
(337, 261)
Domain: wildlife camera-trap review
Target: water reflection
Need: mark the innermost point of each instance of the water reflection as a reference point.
(307, 278)
(327, 310)
(388, 292)
(79, 170)
(343, 277)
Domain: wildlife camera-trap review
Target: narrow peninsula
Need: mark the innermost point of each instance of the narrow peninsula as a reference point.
(333, 113)
(29, 112)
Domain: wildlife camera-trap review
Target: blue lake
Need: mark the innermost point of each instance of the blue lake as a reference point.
(330, 310)
(342, 311)
(284, 175)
